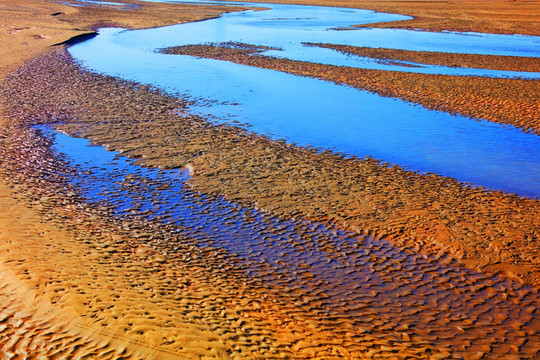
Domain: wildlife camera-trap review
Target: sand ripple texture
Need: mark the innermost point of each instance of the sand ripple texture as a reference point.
(485, 230)
(122, 287)
(104, 288)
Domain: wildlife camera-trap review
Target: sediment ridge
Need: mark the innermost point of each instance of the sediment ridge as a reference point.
(494, 62)
(506, 101)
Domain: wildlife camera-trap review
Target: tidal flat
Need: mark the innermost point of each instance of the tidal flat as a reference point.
(192, 239)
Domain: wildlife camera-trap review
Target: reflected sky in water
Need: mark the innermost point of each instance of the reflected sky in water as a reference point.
(318, 113)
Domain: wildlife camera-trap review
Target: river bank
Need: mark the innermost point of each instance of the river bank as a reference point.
(78, 281)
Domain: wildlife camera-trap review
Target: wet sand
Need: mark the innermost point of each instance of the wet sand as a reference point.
(122, 287)
(77, 281)
(509, 63)
(487, 230)
(80, 286)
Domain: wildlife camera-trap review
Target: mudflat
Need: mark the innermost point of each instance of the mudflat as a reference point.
(77, 281)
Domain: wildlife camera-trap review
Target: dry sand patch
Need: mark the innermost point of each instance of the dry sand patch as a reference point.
(28, 28)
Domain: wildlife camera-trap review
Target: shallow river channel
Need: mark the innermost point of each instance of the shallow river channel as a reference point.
(391, 298)
(317, 113)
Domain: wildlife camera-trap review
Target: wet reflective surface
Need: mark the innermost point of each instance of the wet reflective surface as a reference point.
(79, 3)
(368, 292)
(317, 113)
(163, 268)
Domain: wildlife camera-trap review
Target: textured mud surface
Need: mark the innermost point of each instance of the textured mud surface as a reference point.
(485, 230)
(80, 280)
(126, 287)
(507, 101)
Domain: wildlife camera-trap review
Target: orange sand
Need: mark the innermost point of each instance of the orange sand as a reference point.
(89, 292)
(28, 28)
(86, 290)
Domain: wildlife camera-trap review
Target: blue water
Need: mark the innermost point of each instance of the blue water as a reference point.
(82, 3)
(317, 113)
(106, 178)
(316, 258)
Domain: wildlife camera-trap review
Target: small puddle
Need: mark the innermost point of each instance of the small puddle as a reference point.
(394, 295)
(98, 3)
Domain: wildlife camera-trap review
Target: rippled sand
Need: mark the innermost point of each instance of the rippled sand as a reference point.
(77, 282)
(86, 283)
(485, 230)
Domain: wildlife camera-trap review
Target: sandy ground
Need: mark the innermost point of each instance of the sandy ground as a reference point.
(486, 230)
(74, 285)
(28, 28)
(80, 291)
(93, 284)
